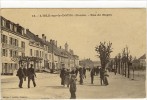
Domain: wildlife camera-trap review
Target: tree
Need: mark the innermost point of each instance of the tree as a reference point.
(119, 62)
(104, 51)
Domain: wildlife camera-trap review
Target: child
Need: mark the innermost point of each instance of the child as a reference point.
(72, 88)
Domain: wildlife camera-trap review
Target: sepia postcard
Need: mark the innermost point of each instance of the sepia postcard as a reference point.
(73, 53)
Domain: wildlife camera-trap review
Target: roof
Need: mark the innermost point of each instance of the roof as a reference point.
(143, 57)
(32, 36)
(23, 35)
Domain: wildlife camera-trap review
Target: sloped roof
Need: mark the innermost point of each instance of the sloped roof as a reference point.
(143, 57)
(32, 36)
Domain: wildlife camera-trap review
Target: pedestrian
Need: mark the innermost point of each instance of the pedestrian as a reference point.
(62, 76)
(72, 88)
(67, 77)
(84, 72)
(76, 71)
(31, 76)
(25, 72)
(92, 75)
(102, 76)
(81, 75)
(20, 75)
(105, 78)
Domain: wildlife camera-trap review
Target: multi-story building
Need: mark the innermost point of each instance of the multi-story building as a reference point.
(13, 44)
(20, 46)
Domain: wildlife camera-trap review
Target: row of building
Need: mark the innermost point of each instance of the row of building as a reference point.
(20, 46)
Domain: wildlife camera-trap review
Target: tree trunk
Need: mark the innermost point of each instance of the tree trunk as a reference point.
(128, 70)
(125, 69)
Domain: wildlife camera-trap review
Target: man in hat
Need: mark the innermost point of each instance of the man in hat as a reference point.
(62, 75)
(31, 76)
(81, 75)
(92, 75)
(72, 88)
(20, 75)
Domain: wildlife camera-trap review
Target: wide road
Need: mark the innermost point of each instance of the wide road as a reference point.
(48, 87)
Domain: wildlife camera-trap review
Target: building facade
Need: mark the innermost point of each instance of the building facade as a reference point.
(20, 46)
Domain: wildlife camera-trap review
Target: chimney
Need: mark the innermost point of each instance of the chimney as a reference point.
(37, 35)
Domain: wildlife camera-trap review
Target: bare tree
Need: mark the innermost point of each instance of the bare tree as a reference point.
(104, 50)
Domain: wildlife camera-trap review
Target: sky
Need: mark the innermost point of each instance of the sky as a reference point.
(83, 32)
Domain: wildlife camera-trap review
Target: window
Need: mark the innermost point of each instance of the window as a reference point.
(11, 40)
(22, 44)
(16, 42)
(11, 26)
(40, 53)
(3, 22)
(15, 53)
(8, 24)
(19, 29)
(31, 52)
(15, 28)
(11, 53)
(37, 53)
(3, 38)
(4, 52)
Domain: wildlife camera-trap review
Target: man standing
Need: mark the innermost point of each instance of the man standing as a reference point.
(72, 88)
(84, 72)
(20, 75)
(62, 76)
(92, 75)
(31, 76)
(81, 75)
(102, 75)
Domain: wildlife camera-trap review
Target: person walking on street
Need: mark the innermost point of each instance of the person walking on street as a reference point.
(20, 75)
(92, 75)
(105, 78)
(67, 77)
(72, 88)
(31, 76)
(102, 76)
(25, 73)
(76, 71)
(84, 72)
(62, 76)
(81, 75)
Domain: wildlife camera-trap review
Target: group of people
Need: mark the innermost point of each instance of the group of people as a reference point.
(23, 73)
(69, 77)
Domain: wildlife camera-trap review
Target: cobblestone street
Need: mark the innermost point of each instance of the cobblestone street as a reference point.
(48, 87)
